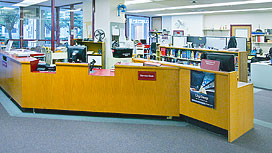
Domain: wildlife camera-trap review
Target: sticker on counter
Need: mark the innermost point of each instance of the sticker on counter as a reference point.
(202, 89)
(147, 75)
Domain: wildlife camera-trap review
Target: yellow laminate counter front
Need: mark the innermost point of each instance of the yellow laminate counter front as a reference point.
(72, 87)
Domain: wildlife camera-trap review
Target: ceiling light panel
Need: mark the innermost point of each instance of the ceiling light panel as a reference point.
(7, 8)
(26, 3)
(137, 2)
(211, 12)
(202, 6)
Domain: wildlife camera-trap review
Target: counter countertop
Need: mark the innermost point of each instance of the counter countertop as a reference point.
(102, 72)
(263, 63)
(18, 59)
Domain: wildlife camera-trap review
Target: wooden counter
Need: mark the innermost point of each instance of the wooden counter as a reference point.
(73, 88)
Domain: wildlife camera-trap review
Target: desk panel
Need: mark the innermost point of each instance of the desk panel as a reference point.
(72, 88)
(10, 78)
(218, 116)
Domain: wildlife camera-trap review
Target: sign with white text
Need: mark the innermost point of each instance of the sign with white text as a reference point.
(147, 75)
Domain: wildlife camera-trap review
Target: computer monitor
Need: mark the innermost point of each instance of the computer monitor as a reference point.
(227, 62)
(197, 41)
(143, 41)
(77, 54)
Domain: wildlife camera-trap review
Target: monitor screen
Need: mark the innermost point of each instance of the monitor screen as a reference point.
(77, 54)
(197, 40)
(227, 62)
(143, 41)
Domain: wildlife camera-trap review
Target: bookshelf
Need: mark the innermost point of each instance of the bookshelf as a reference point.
(263, 41)
(96, 51)
(145, 51)
(261, 38)
(191, 56)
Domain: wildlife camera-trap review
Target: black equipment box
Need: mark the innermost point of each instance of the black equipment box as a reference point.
(122, 52)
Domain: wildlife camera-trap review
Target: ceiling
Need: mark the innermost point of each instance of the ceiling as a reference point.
(163, 4)
(175, 3)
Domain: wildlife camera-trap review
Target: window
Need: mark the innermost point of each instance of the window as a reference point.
(31, 22)
(78, 24)
(138, 27)
(37, 24)
(64, 24)
(9, 21)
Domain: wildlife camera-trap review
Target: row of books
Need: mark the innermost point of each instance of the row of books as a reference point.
(259, 39)
(187, 54)
(172, 60)
(190, 63)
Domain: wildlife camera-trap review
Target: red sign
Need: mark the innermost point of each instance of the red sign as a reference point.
(210, 64)
(147, 75)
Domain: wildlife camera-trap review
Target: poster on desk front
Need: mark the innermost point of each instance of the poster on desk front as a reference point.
(202, 88)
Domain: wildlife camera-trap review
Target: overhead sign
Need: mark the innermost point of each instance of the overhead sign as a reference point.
(147, 75)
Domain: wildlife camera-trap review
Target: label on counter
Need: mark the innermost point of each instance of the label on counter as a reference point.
(147, 75)
(4, 63)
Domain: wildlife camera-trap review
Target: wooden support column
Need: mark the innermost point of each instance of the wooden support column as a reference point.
(58, 25)
(21, 27)
(72, 25)
(53, 25)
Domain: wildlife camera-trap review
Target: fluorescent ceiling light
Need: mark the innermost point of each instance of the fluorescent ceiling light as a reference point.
(202, 6)
(73, 10)
(7, 8)
(26, 3)
(210, 12)
(137, 2)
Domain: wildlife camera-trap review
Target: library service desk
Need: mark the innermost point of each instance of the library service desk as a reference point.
(130, 89)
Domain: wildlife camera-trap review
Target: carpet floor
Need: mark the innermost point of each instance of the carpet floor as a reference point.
(45, 133)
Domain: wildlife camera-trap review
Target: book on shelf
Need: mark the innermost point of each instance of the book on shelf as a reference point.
(236, 60)
(259, 39)
(192, 57)
(163, 51)
(198, 55)
(185, 54)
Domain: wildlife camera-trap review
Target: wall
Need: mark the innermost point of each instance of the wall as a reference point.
(260, 20)
(255, 18)
(114, 11)
(167, 23)
(105, 13)
(157, 23)
(191, 24)
(194, 24)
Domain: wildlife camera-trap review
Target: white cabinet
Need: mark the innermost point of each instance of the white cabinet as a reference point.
(261, 75)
